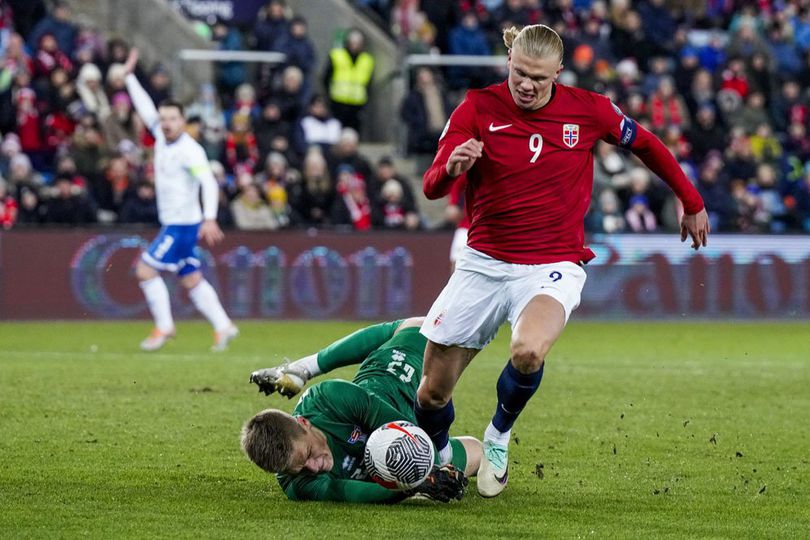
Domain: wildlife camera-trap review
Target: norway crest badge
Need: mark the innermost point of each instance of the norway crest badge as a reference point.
(570, 135)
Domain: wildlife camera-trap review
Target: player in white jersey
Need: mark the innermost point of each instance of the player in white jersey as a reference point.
(181, 170)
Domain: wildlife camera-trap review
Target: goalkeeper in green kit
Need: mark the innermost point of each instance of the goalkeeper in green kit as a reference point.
(317, 452)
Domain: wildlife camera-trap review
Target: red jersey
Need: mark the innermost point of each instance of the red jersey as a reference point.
(528, 194)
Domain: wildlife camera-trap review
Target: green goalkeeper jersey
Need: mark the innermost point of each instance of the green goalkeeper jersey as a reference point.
(383, 391)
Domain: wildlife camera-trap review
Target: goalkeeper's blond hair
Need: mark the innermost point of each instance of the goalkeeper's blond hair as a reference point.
(536, 40)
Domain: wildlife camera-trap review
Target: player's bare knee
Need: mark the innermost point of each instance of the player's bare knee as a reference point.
(529, 357)
(431, 398)
(144, 272)
(411, 322)
(191, 280)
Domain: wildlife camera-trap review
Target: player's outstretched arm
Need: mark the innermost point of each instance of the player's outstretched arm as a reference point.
(140, 99)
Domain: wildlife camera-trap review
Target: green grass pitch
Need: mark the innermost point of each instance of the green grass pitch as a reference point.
(639, 430)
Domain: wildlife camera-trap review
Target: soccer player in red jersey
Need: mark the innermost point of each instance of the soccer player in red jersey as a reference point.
(526, 149)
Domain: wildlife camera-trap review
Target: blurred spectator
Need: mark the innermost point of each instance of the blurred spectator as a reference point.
(798, 143)
(759, 74)
(385, 172)
(59, 24)
(91, 92)
(250, 212)
(48, 57)
(241, 151)
(9, 148)
(159, 84)
(468, 38)
(207, 108)
(713, 187)
(290, 95)
(318, 126)
(713, 55)
(424, 112)
(511, 13)
(740, 162)
(688, 66)
(607, 217)
(26, 14)
(69, 204)
(706, 135)
(28, 120)
(115, 185)
(271, 26)
(802, 207)
(352, 205)
(639, 217)
(658, 23)
(630, 39)
(66, 166)
(244, 102)
(229, 74)
(773, 214)
(87, 147)
(140, 206)
(611, 168)
(789, 106)
(22, 176)
(392, 211)
(270, 126)
(752, 114)
(764, 145)
(30, 211)
(735, 78)
(667, 108)
(275, 171)
(320, 192)
(347, 75)
(120, 124)
(347, 152)
(276, 194)
(300, 52)
(8, 206)
(701, 92)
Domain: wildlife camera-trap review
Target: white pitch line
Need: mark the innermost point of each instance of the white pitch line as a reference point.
(56, 355)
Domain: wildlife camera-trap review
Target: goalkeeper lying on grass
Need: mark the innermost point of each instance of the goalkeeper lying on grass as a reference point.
(317, 452)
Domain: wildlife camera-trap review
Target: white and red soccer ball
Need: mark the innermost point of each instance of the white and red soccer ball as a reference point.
(399, 455)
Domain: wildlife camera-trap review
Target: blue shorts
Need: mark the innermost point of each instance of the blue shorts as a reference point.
(173, 249)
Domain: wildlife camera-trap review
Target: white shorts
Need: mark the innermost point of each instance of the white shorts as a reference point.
(484, 292)
(459, 243)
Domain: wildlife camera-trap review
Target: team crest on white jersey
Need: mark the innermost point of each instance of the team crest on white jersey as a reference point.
(570, 135)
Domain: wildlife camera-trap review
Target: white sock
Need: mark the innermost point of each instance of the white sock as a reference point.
(308, 363)
(494, 436)
(446, 454)
(207, 302)
(157, 297)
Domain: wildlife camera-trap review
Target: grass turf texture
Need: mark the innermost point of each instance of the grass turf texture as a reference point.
(639, 430)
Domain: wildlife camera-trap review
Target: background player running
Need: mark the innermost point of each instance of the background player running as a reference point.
(181, 168)
(526, 148)
(318, 450)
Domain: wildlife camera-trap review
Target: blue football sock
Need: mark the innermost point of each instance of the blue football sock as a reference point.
(514, 391)
(436, 422)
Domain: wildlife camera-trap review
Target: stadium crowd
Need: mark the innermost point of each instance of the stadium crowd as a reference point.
(723, 83)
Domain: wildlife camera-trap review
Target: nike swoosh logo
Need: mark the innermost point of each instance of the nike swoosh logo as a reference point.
(504, 478)
(493, 127)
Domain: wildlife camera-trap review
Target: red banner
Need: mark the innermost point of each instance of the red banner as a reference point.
(292, 275)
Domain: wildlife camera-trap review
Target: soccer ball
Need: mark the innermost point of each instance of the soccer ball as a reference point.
(399, 455)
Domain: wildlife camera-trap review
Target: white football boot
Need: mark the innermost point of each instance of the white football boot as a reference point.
(493, 473)
(156, 340)
(222, 339)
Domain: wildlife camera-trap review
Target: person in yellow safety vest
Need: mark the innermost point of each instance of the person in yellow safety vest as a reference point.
(347, 78)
